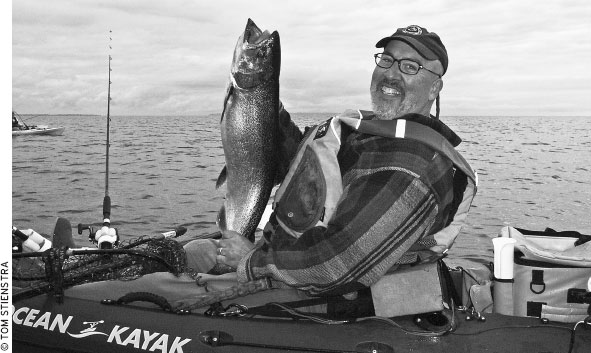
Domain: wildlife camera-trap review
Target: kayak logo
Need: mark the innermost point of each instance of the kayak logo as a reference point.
(119, 335)
(90, 330)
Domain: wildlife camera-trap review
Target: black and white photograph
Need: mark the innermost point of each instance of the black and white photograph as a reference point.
(307, 176)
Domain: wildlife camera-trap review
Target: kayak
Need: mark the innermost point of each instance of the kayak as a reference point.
(39, 130)
(41, 324)
(89, 318)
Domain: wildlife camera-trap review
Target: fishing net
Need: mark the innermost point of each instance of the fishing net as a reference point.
(59, 268)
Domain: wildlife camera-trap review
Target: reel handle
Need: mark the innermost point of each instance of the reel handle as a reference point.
(82, 227)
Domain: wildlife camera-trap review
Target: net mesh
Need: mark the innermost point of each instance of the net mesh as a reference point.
(59, 268)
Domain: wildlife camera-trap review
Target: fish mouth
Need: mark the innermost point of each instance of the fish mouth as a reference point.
(257, 57)
(254, 37)
(253, 34)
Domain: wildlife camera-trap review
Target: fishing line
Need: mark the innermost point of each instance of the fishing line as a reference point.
(27, 119)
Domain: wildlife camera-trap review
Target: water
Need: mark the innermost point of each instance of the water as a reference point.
(534, 172)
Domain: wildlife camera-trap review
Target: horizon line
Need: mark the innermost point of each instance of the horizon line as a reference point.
(292, 113)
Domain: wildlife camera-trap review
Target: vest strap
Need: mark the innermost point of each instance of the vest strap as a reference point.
(402, 128)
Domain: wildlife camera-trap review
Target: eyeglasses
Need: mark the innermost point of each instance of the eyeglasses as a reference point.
(406, 66)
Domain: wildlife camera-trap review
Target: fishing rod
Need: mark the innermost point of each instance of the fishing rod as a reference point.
(74, 252)
(58, 282)
(20, 119)
(40, 250)
(88, 261)
(107, 198)
(214, 235)
(28, 118)
(97, 264)
(106, 237)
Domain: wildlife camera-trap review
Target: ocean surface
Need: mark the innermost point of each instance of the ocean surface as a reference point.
(534, 172)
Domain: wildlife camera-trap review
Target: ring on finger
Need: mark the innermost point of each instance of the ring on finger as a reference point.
(220, 251)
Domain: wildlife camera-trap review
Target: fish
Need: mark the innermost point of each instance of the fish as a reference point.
(249, 129)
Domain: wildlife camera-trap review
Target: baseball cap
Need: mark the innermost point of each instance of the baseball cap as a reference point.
(426, 43)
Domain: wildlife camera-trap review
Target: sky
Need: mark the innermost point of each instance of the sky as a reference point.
(172, 57)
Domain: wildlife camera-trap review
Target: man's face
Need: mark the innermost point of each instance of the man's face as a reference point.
(394, 93)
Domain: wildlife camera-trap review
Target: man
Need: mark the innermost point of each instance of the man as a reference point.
(397, 194)
(15, 124)
(365, 192)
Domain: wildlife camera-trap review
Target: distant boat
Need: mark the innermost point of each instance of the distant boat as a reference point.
(19, 128)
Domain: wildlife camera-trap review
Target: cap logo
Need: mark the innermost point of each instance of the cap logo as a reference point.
(414, 30)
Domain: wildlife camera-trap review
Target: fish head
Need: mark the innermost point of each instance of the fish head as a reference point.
(257, 57)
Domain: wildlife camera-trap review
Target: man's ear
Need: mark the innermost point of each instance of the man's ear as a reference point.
(436, 87)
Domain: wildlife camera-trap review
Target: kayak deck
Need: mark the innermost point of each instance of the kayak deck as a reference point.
(42, 325)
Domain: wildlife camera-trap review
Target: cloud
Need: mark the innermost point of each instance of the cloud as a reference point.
(173, 57)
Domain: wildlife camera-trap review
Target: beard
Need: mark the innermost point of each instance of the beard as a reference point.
(383, 107)
(393, 108)
(383, 110)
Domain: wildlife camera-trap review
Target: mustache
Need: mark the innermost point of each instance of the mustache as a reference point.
(391, 83)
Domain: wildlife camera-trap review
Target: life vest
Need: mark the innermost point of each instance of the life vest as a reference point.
(313, 185)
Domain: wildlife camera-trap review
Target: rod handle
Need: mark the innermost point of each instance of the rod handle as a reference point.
(22, 236)
(177, 232)
(107, 209)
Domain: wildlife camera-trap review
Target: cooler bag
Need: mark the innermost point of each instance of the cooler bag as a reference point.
(551, 274)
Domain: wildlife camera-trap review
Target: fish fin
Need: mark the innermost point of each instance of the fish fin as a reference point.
(221, 220)
(221, 178)
(229, 92)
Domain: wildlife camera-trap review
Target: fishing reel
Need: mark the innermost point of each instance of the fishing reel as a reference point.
(105, 237)
(29, 241)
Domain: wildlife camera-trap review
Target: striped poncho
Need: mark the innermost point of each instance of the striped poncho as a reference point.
(396, 194)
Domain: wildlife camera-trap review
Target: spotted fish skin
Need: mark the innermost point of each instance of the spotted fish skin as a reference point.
(249, 129)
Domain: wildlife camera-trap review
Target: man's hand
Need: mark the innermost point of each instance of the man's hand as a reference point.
(231, 248)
